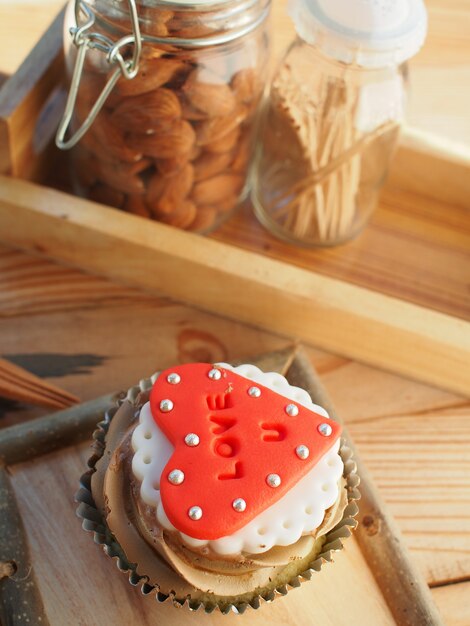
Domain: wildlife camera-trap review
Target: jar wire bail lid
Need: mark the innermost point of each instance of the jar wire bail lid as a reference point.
(367, 33)
(84, 41)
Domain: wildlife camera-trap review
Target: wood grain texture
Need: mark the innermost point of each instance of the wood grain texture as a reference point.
(20, 596)
(132, 336)
(334, 315)
(414, 248)
(392, 255)
(378, 536)
(31, 285)
(35, 437)
(453, 603)
(401, 585)
(29, 103)
(433, 167)
(421, 466)
(70, 592)
(118, 324)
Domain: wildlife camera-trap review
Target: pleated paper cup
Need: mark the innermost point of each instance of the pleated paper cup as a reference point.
(93, 521)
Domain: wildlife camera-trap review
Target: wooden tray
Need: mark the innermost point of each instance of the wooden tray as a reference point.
(54, 574)
(395, 298)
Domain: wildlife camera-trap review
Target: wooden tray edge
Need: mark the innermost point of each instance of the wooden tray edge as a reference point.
(336, 316)
(401, 584)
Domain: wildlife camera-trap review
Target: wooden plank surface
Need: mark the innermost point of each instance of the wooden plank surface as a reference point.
(69, 584)
(30, 103)
(82, 331)
(425, 205)
(391, 256)
(91, 344)
(248, 287)
(114, 340)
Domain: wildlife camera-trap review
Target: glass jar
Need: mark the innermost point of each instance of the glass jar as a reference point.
(163, 102)
(330, 126)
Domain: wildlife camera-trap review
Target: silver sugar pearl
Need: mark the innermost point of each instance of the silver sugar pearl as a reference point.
(254, 392)
(292, 410)
(173, 378)
(325, 430)
(302, 452)
(195, 513)
(191, 440)
(166, 406)
(273, 480)
(239, 505)
(215, 374)
(176, 477)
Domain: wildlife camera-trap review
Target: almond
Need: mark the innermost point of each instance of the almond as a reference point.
(176, 139)
(183, 217)
(213, 98)
(144, 113)
(169, 167)
(189, 112)
(137, 205)
(176, 190)
(204, 219)
(91, 86)
(107, 141)
(208, 165)
(216, 127)
(153, 73)
(155, 14)
(157, 29)
(84, 166)
(106, 195)
(123, 176)
(155, 188)
(166, 194)
(228, 204)
(246, 85)
(217, 189)
(194, 153)
(225, 143)
(242, 153)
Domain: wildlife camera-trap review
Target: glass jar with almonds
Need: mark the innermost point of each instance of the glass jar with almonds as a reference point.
(331, 123)
(162, 104)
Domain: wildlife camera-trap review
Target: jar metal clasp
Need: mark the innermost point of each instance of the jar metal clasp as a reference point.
(85, 40)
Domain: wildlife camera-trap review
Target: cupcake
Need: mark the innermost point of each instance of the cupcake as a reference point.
(219, 486)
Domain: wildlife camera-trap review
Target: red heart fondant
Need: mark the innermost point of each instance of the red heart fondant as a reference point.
(242, 439)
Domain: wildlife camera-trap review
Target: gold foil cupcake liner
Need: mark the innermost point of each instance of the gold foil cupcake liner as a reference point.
(93, 522)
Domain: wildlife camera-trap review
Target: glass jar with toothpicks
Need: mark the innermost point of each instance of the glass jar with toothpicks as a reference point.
(331, 122)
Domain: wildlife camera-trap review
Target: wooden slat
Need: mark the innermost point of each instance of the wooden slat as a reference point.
(415, 249)
(336, 316)
(379, 538)
(432, 167)
(382, 258)
(453, 603)
(24, 141)
(15, 379)
(118, 603)
(16, 43)
(20, 597)
(35, 437)
(421, 465)
(405, 593)
(31, 285)
(117, 345)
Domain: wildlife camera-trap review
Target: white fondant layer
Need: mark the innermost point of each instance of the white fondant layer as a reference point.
(298, 512)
